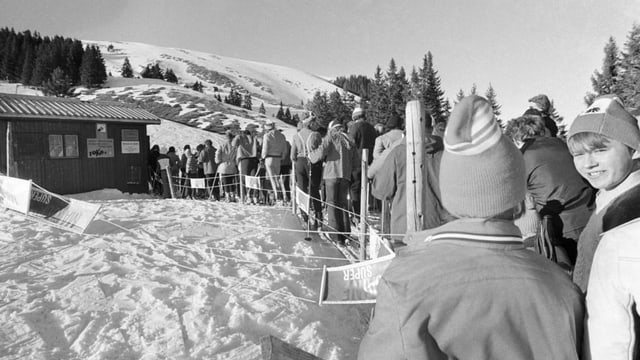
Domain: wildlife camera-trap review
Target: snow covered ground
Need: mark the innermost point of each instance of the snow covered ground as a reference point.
(168, 279)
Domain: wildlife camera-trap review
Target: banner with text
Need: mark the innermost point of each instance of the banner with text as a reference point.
(15, 193)
(353, 284)
(68, 214)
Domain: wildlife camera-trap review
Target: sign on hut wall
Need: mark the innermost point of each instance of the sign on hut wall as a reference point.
(130, 142)
(100, 148)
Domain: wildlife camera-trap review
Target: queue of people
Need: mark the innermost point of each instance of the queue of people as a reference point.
(246, 153)
(527, 247)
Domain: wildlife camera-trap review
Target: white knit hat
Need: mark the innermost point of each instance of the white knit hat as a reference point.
(482, 173)
(357, 113)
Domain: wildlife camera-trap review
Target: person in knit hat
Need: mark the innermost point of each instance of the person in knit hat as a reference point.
(364, 136)
(540, 105)
(339, 155)
(603, 140)
(469, 289)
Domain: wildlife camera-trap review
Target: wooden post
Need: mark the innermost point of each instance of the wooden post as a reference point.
(415, 129)
(294, 189)
(364, 202)
(241, 177)
(385, 219)
(169, 177)
(9, 148)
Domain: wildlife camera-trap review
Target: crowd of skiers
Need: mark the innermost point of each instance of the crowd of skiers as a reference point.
(528, 248)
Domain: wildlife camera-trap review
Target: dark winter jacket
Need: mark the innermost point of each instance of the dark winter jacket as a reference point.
(390, 183)
(364, 136)
(470, 290)
(554, 183)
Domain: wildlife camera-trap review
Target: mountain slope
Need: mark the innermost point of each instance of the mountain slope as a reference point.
(267, 82)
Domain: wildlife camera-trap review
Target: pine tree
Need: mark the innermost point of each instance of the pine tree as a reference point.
(630, 92)
(92, 71)
(396, 90)
(337, 109)
(378, 108)
(126, 70)
(319, 106)
(606, 81)
(59, 83)
(280, 114)
(74, 61)
(432, 95)
(262, 109)
(491, 96)
(247, 102)
(43, 66)
(27, 67)
(170, 76)
(287, 117)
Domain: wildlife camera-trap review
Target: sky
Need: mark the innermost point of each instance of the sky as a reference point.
(521, 48)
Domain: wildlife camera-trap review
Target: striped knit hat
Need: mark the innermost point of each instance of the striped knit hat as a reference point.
(482, 173)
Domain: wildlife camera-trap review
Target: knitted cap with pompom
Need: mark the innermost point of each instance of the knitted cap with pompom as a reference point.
(482, 173)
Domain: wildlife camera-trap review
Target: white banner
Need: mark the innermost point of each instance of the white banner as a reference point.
(53, 209)
(197, 183)
(302, 199)
(252, 182)
(15, 193)
(130, 147)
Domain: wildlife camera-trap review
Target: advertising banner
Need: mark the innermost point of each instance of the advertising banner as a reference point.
(353, 284)
(68, 214)
(15, 193)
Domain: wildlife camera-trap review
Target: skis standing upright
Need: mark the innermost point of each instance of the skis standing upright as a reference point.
(415, 125)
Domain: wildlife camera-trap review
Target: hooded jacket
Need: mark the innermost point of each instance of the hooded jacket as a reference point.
(390, 183)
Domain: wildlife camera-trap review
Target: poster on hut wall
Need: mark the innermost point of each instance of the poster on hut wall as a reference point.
(68, 214)
(130, 147)
(15, 193)
(100, 148)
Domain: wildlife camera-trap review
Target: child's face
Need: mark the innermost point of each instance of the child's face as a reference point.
(605, 167)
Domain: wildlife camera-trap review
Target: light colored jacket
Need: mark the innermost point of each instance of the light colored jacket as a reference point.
(614, 289)
(339, 154)
(273, 144)
(386, 141)
(226, 159)
(614, 283)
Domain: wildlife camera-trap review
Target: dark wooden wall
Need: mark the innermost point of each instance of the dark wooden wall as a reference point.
(75, 175)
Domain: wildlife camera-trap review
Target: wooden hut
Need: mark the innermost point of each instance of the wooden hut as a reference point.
(70, 146)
